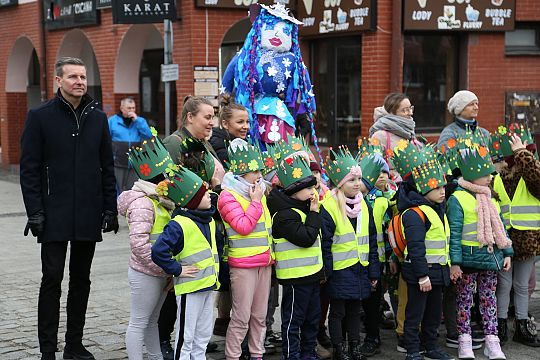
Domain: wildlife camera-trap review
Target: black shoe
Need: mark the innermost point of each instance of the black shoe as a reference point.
(166, 350)
(273, 337)
(369, 348)
(323, 339)
(340, 352)
(355, 352)
(525, 333)
(220, 326)
(48, 356)
(269, 348)
(211, 347)
(401, 344)
(77, 352)
(502, 330)
(414, 356)
(437, 354)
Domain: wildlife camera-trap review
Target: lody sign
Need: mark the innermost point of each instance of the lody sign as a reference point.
(459, 15)
(143, 11)
(61, 14)
(336, 16)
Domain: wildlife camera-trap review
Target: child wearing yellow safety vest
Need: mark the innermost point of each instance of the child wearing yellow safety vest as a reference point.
(242, 206)
(518, 186)
(425, 267)
(189, 248)
(349, 251)
(147, 213)
(296, 226)
(479, 247)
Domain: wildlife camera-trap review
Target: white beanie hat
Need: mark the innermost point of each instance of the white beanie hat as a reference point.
(460, 100)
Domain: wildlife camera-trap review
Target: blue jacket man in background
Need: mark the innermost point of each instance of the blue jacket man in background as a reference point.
(127, 129)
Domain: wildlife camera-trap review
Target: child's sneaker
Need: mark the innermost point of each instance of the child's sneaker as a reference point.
(452, 342)
(437, 354)
(414, 356)
(492, 348)
(465, 347)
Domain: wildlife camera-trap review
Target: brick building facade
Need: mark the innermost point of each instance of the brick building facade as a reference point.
(359, 68)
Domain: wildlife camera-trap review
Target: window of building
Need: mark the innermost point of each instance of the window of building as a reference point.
(524, 40)
(430, 78)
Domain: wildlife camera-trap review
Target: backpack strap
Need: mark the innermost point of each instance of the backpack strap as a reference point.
(420, 213)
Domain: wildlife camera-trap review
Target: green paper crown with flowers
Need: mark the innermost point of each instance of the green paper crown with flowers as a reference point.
(206, 165)
(244, 157)
(181, 186)
(495, 150)
(151, 159)
(450, 151)
(371, 166)
(368, 146)
(292, 146)
(506, 134)
(474, 161)
(407, 157)
(341, 164)
(428, 176)
(443, 162)
(293, 169)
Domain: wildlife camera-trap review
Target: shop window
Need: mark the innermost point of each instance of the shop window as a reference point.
(524, 40)
(430, 73)
(336, 71)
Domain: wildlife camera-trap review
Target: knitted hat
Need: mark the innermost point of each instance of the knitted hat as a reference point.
(460, 100)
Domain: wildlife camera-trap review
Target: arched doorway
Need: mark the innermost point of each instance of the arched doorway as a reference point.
(76, 44)
(138, 74)
(232, 42)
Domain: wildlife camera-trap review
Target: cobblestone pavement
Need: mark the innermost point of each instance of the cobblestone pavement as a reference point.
(108, 308)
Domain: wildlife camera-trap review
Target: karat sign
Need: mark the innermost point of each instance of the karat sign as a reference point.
(4, 3)
(143, 11)
(231, 4)
(459, 15)
(336, 16)
(61, 14)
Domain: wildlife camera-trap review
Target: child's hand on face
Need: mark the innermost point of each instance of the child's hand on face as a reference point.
(314, 202)
(256, 192)
(189, 271)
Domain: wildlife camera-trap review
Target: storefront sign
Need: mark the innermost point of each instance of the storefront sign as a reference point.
(4, 3)
(205, 82)
(243, 4)
(143, 11)
(336, 16)
(169, 72)
(103, 4)
(459, 15)
(61, 14)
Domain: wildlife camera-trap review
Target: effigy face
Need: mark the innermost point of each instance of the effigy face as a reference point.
(276, 37)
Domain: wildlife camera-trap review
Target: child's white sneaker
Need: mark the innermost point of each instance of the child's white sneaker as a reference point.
(465, 350)
(492, 348)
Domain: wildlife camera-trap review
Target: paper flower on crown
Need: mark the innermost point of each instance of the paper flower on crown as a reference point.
(244, 157)
(293, 170)
(339, 164)
(406, 157)
(368, 146)
(474, 161)
(506, 135)
(150, 159)
(429, 175)
(181, 187)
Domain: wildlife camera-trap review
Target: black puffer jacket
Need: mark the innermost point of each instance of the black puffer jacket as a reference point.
(288, 225)
(415, 265)
(67, 169)
(219, 140)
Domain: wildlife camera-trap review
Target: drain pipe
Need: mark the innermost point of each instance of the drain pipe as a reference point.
(43, 84)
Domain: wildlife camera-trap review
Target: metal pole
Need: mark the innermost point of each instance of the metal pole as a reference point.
(167, 54)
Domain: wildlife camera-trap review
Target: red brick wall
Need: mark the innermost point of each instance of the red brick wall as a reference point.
(11, 125)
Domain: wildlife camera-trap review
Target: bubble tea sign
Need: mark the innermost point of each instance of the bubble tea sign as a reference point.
(459, 15)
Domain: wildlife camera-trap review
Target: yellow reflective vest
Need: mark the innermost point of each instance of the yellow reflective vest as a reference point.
(255, 243)
(294, 261)
(197, 252)
(380, 206)
(437, 239)
(161, 218)
(524, 209)
(505, 202)
(470, 217)
(349, 246)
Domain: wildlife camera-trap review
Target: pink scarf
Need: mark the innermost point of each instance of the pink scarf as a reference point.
(490, 229)
(357, 205)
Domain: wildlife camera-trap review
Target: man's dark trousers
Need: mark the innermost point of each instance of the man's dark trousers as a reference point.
(53, 258)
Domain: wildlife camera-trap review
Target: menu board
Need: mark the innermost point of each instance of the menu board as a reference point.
(459, 15)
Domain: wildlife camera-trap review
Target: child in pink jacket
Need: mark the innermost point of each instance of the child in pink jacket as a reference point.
(242, 206)
(146, 214)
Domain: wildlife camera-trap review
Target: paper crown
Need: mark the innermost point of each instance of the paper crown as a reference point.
(292, 146)
(407, 157)
(495, 150)
(506, 133)
(151, 159)
(428, 176)
(181, 187)
(244, 157)
(280, 11)
(205, 166)
(293, 169)
(372, 166)
(474, 161)
(368, 146)
(341, 164)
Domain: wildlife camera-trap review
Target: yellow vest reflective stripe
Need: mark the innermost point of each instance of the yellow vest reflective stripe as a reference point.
(255, 243)
(437, 239)
(197, 252)
(349, 245)
(524, 209)
(470, 217)
(161, 218)
(380, 206)
(498, 186)
(294, 261)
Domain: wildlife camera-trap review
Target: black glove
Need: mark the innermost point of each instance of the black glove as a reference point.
(36, 224)
(109, 222)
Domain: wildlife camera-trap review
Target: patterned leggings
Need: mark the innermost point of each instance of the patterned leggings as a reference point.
(465, 288)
